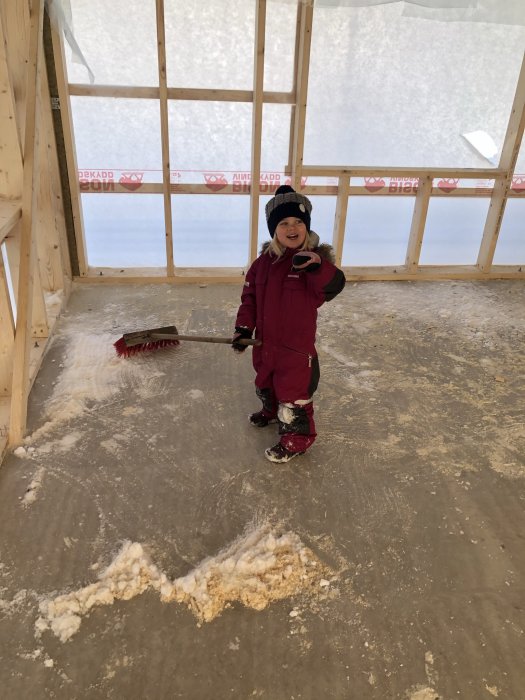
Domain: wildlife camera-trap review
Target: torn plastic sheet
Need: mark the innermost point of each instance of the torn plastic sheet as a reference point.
(491, 11)
(61, 18)
(484, 144)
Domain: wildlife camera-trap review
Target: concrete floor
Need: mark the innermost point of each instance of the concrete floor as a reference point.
(413, 495)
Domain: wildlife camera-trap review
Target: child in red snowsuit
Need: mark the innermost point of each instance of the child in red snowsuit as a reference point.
(292, 277)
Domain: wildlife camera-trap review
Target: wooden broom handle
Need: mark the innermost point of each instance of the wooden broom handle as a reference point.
(203, 338)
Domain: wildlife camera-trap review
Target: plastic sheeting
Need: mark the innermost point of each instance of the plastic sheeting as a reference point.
(60, 16)
(493, 11)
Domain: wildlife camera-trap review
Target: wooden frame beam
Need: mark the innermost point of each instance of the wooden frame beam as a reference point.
(11, 175)
(7, 333)
(10, 213)
(341, 210)
(402, 171)
(69, 144)
(165, 136)
(257, 119)
(507, 163)
(20, 387)
(301, 97)
(419, 218)
(193, 94)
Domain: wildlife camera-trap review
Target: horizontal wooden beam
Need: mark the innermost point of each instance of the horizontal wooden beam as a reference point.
(235, 275)
(194, 94)
(401, 171)
(410, 190)
(433, 273)
(183, 275)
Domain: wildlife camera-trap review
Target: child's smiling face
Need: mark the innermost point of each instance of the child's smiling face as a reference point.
(291, 232)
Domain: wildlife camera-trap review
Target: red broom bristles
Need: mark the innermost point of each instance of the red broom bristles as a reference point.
(124, 350)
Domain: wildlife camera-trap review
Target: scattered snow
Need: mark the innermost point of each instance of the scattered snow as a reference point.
(286, 413)
(93, 374)
(256, 569)
(132, 411)
(421, 693)
(63, 444)
(9, 607)
(33, 488)
(54, 301)
(196, 394)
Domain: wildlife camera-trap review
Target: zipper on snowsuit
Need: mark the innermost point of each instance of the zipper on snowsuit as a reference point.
(310, 357)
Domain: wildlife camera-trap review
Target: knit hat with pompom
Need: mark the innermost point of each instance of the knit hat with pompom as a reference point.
(287, 202)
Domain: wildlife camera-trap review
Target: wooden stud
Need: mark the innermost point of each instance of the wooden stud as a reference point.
(20, 387)
(10, 148)
(15, 19)
(49, 218)
(13, 243)
(419, 218)
(291, 139)
(303, 63)
(165, 137)
(341, 209)
(57, 246)
(507, 163)
(7, 333)
(69, 144)
(257, 118)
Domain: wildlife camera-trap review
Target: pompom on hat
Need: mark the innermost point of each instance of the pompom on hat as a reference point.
(287, 202)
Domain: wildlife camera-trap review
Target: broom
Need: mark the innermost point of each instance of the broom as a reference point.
(157, 338)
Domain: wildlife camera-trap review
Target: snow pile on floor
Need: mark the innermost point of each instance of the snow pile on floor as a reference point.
(256, 569)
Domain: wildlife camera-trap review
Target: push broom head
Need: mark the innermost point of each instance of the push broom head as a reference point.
(145, 341)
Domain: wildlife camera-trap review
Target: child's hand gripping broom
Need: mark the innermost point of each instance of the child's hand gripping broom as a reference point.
(156, 338)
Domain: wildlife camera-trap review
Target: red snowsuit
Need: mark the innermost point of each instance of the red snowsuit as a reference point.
(281, 305)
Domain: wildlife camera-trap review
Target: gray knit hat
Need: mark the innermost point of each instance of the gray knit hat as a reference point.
(287, 202)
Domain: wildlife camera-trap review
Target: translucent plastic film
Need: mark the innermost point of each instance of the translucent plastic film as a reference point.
(493, 11)
(60, 16)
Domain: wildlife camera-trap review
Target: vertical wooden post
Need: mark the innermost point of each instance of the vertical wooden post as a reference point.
(51, 230)
(71, 155)
(419, 217)
(13, 243)
(343, 191)
(301, 94)
(15, 17)
(7, 334)
(257, 118)
(10, 147)
(165, 137)
(509, 156)
(294, 85)
(20, 389)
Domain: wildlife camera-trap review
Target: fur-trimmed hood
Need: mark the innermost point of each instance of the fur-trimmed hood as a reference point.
(325, 250)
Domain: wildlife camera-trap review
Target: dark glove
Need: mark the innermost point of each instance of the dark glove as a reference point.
(306, 260)
(240, 332)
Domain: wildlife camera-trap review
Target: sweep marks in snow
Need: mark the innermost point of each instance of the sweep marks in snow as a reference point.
(256, 569)
(92, 374)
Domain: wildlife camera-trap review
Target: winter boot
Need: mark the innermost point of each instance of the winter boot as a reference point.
(279, 453)
(268, 414)
(260, 420)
